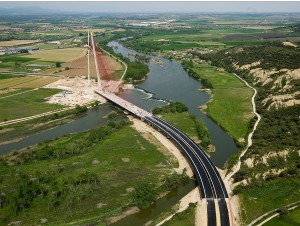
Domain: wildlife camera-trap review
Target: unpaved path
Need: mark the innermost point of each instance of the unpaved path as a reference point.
(234, 201)
(33, 117)
(19, 93)
(289, 207)
(237, 167)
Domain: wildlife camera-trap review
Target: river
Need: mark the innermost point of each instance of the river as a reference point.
(92, 119)
(167, 81)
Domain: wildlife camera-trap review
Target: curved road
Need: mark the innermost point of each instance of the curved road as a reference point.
(211, 186)
(210, 183)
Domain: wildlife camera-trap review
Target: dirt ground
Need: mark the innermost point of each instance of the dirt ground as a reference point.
(76, 91)
(194, 195)
(79, 67)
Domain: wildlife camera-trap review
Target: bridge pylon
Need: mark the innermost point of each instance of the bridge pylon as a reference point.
(96, 61)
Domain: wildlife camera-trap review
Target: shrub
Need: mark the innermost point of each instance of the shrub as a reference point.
(144, 195)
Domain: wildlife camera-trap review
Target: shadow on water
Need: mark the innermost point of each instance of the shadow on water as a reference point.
(168, 81)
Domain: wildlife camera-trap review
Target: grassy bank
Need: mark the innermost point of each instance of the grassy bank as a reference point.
(261, 199)
(80, 176)
(292, 218)
(27, 104)
(13, 132)
(231, 104)
(182, 121)
(177, 114)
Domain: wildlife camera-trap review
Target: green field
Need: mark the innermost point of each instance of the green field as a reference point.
(64, 43)
(12, 92)
(291, 219)
(260, 200)
(178, 46)
(184, 122)
(203, 34)
(58, 55)
(27, 104)
(18, 62)
(60, 169)
(231, 105)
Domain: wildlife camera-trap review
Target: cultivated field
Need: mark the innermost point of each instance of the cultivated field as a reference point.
(58, 55)
(27, 82)
(17, 42)
(27, 104)
(79, 66)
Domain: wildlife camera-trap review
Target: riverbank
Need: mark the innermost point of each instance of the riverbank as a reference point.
(231, 101)
(166, 146)
(104, 162)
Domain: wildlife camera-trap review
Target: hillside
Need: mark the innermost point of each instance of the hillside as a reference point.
(270, 169)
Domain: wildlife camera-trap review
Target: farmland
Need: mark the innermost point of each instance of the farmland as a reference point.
(79, 67)
(17, 42)
(27, 104)
(27, 82)
(86, 177)
(58, 55)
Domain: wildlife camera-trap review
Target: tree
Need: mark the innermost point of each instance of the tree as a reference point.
(282, 212)
(58, 64)
(23, 51)
(144, 195)
(202, 132)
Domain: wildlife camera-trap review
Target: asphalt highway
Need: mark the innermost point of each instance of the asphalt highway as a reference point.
(210, 183)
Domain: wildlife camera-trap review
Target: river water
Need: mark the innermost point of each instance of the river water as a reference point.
(92, 119)
(167, 81)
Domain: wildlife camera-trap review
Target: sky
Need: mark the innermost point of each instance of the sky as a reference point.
(160, 6)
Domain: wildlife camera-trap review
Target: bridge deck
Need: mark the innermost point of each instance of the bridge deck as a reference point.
(124, 104)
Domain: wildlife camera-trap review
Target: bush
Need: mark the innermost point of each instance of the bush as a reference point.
(282, 212)
(202, 132)
(144, 195)
(172, 107)
(80, 109)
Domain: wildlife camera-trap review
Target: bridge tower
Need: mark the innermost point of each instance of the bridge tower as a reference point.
(88, 59)
(96, 61)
